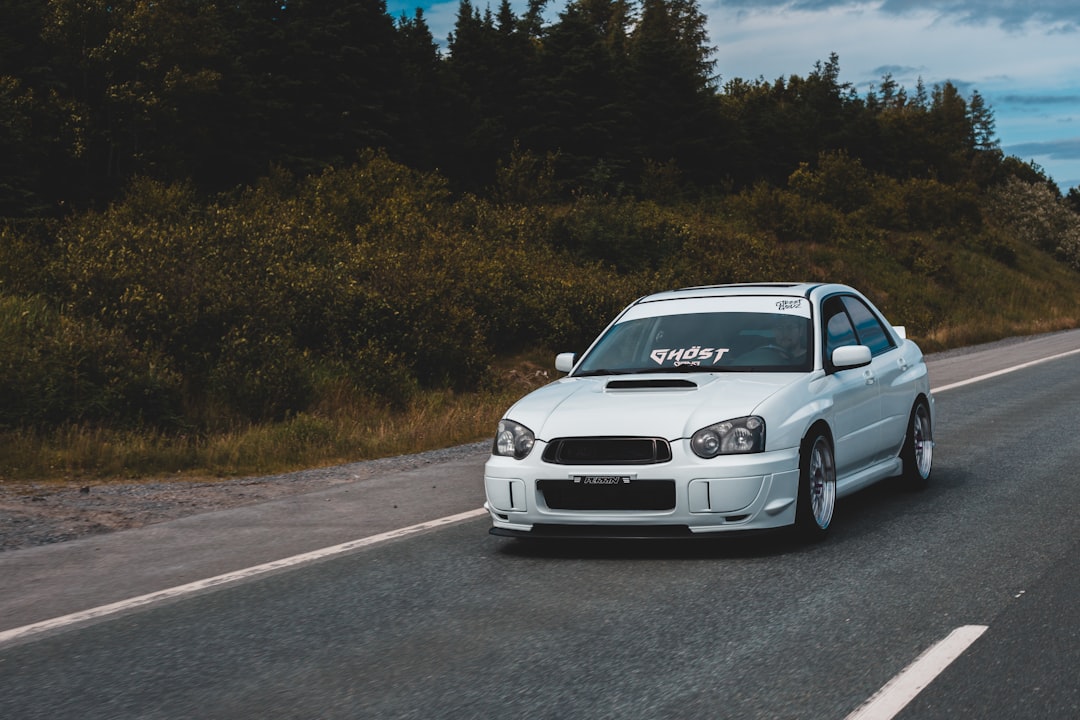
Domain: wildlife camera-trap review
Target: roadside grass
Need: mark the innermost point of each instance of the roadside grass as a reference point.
(303, 441)
(342, 428)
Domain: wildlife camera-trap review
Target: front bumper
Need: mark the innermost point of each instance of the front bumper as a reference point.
(726, 494)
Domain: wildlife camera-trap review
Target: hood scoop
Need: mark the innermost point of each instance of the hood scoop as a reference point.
(652, 384)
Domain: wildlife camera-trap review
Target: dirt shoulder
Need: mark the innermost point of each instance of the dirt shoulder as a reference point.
(33, 513)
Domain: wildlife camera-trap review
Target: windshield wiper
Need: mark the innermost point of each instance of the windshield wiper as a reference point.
(603, 371)
(655, 370)
(681, 369)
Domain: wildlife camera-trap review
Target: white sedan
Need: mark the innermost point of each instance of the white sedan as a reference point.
(715, 409)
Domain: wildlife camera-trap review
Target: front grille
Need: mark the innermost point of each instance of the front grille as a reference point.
(607, 451)
(634, 495)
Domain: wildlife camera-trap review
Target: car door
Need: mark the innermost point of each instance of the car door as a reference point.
(855, 395)
(888, 368)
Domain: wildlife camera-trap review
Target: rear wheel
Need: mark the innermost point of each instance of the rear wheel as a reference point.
(817, 487)
(918, 452)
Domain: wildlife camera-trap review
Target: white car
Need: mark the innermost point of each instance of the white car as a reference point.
(715, 409)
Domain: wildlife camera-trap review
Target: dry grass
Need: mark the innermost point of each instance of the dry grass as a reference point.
(342, 429)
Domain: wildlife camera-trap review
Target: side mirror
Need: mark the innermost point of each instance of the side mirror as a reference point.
(851, 356)
(564, 362)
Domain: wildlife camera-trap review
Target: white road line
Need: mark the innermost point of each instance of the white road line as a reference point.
(894, 696)
(1006, 371)
(181, 590)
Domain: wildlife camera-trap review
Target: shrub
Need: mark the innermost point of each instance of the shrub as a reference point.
(790, 216)
(56, 370)
(838, 180)
(626, 234)
(930, 204)
(1038, 216)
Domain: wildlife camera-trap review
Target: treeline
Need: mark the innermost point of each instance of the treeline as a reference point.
(622, 97)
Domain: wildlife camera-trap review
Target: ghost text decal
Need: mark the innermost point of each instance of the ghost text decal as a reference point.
(695, 355)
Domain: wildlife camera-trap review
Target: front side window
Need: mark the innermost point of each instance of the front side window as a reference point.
(869, 329)
(839, 332)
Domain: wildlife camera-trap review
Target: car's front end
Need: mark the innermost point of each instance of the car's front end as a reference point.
(642, 456)
(679, 498)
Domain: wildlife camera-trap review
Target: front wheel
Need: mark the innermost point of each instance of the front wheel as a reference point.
(817, 487)
(918, 451)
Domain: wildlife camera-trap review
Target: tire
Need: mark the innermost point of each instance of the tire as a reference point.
(817, 487)
(917, 454)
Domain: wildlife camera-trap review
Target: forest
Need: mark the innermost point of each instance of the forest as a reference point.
(218, 216)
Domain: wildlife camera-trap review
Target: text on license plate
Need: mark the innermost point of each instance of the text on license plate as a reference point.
(601, 479)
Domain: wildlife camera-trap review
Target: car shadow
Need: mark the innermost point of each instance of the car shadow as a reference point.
(867, 513)
(749, 545)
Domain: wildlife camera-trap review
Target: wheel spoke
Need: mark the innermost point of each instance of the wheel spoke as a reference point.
(822, 484)
(924, 444)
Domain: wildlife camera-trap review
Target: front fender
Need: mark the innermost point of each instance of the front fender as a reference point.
(789, 414)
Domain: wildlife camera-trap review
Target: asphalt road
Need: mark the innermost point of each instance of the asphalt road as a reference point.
(449, 622)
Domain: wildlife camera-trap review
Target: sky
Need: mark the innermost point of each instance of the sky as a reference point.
(1022, 56)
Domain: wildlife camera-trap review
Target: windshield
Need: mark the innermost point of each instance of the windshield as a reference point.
(723, 335)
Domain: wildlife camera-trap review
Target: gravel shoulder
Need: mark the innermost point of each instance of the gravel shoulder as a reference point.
(34, 513)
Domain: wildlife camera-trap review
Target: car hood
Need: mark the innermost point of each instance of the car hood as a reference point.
(671, 406)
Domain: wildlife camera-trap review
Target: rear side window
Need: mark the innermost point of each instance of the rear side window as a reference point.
(869, 329)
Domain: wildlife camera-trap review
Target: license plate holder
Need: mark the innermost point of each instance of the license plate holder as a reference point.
(606, 480)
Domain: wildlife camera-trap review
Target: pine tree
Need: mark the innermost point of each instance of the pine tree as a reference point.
(981, 118)
(583, 112)
(421, 136)
(672, 87)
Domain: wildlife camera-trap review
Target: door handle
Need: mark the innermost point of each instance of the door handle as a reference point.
(869, 376)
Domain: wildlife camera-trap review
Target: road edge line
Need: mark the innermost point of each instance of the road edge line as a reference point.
(1006, 371)
(230, 577)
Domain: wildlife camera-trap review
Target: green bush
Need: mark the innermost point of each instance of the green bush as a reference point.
(56, 370)
(628, 235)
(1035, 214)
(838, 180)
(791, 217)
(930, 204)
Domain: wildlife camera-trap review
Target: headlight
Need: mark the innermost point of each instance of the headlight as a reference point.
(513, 440)
(741, 435)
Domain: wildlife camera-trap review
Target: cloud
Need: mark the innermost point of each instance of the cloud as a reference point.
(897, 70)
(1063, 149)
(1062, 15)
(1018, 99)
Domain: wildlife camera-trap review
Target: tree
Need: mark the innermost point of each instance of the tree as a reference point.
(671, 86)
(1072, 198)
(981, 119)
(421, 137)
(340, 81)
(949, 137)
(31, 137)
(582, 111)
(139, 78)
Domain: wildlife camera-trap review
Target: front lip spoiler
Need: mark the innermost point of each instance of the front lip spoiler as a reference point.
(618, 532)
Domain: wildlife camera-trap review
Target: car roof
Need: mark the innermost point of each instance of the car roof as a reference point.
(799, 289)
